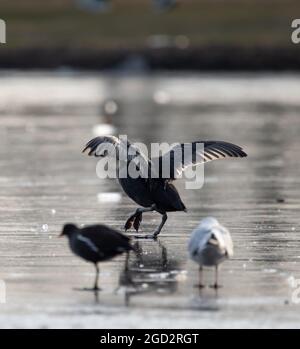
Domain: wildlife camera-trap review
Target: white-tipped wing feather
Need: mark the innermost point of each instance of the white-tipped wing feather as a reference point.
(184, 155)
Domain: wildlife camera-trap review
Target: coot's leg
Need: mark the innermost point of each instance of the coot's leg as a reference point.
(162, 223)
(136, 218)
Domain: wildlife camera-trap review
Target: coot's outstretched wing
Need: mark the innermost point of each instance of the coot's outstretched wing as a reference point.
(124, 150)
(98, 145)
(184, 155)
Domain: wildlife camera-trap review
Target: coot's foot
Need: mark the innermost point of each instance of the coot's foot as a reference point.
(137, 221)
(129, 222)
(156, 233)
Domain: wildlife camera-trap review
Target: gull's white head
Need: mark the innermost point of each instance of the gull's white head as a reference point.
(209, 222)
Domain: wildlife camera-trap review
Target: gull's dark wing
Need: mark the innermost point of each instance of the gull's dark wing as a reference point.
(184, 155)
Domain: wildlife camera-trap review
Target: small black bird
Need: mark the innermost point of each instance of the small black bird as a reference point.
(96, 243)
(157, 193)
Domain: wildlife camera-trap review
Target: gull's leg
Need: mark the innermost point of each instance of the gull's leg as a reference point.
(216, 284)
(96, 288)
(136, 218)
(201, 285)
(216, 277)
(162, 223)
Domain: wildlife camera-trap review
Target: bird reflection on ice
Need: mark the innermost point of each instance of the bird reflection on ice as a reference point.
(148, 271)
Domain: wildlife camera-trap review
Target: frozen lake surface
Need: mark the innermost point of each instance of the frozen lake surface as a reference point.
(45, 181)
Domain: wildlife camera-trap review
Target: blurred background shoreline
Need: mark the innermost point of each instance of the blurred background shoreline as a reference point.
(132, 35)
(72, 70)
